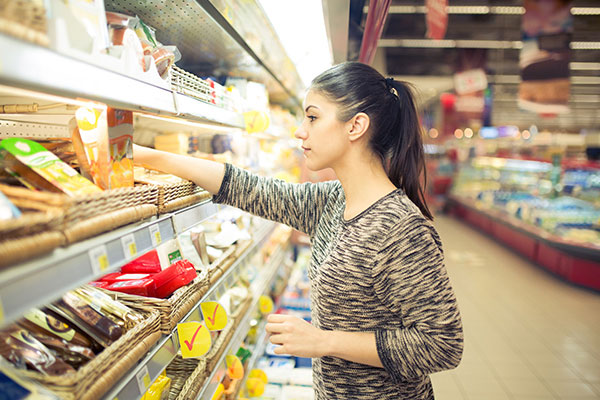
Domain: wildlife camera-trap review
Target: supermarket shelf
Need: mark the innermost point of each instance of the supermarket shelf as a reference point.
(76, 79)
(52, 275)
(257, 352)
(258, 288)
(161, 355)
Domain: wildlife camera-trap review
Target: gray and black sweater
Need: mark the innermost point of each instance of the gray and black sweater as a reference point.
(382, 271)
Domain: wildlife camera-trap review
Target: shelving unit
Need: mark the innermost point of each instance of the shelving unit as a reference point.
(211, 45)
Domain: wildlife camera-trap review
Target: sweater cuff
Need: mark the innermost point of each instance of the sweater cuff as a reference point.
(384, 346)
(223, 194)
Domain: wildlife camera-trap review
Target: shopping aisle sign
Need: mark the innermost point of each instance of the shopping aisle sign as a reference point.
(194, 339)
(214, 315)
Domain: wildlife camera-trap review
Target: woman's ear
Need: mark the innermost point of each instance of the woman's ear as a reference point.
(359, 125)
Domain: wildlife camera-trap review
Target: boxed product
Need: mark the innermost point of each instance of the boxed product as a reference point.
(148, 263)
(37, 168)
(107, 137)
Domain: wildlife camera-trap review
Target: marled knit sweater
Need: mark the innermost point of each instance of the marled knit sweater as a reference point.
(382, 271)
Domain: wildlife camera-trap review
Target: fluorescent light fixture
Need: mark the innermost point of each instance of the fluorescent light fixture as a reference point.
(507, 10)
(585, 80)
(584, 66)
(585, 10)
(309, 51)
(585, 45)
(425, 43)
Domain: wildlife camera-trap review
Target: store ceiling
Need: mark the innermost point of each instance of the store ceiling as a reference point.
(404, 52)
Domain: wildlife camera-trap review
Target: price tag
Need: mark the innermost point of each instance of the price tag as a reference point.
(1, 312)
(155, 235)
(265, 304)
(99, 259)
(129, 246)
(194, 339)
(235, 369)
(214, 314)
(143, 380)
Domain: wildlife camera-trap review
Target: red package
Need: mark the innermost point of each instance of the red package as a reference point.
(120, 276)
(100, 284)
(139, 287)
(172, 278)
(149, 263)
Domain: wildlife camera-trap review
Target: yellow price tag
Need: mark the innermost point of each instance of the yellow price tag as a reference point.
(103, 262)
(129, 246)
(155, 235)
(214, 314)
(194, 339)
(260, 374)
(219, 392)
(99, 259)
(1, 312)
(255, 387)
(235, 369)
(265, 304)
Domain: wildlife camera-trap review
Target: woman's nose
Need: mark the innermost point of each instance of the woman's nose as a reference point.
(300, 133)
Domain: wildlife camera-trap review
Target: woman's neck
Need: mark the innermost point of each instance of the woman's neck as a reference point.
(364, 182)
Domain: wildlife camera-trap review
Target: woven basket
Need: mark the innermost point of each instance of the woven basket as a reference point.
(30, 235)
(175, 196)
(24, 19)
(98, 376)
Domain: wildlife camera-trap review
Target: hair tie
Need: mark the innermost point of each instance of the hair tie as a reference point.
(389, 84)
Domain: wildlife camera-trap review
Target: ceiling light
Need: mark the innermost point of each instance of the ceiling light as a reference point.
(506, 10)
(585, 10)
(585, 45)
(584, 66)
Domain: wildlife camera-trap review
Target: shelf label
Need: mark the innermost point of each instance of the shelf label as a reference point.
(1, 312)
(214, 314)
(129, 246)
(143, 379)
(99, 259)
(265, 304)
(255, 387)
(194, 339)
(155, 235)
(235, 369)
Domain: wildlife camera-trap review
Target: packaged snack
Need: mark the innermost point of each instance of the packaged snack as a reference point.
(164, 58)
(145, 264)
(83, 309)
(177, 275)
(7, 209)
(74, 355)
(120, 276)
(19, 346)
(107, 136)
(37, 168)
(36, 320)
(118, 312)
(138, 287)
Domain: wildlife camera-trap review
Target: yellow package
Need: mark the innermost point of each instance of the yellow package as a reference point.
(37, 168)
(107, 136)
(159, 390)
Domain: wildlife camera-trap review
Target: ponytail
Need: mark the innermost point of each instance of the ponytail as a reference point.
(395, 130)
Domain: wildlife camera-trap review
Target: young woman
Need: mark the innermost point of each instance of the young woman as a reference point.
(384, 315)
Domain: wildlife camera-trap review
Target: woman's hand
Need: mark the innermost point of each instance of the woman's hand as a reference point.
(295, 336)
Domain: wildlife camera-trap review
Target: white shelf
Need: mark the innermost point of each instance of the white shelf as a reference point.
(28, 66)
(166, 349)
(66, 268)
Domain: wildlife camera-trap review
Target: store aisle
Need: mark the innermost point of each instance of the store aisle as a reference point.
(528, 335)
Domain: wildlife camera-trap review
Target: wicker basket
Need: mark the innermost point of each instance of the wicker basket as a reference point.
(98, 376)
(178, 195)
(31, 235)
(24, 19)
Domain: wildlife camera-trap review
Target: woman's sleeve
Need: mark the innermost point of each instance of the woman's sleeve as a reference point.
(297, 205)
(411, 281)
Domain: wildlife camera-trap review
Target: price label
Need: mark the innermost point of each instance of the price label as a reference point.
(1, 312)
(235, 369)
(129, 246)
(194, 339)
(265, 304)
(155, 235)
(143, 380)
(214, 314)
(99, 259)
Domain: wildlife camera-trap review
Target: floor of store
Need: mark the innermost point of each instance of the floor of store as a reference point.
(528, 335)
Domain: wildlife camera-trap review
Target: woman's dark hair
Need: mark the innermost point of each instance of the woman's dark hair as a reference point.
(394, 123)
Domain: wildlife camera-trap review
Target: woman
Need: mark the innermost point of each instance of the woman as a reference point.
(384, 315)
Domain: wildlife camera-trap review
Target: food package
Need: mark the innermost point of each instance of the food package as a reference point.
(37, 168)
(152, 177)
(159, 390)
(168, 253)
(146, 264)
(107, 136)
(36, 320)
(177, 275)
(138, 287)
(164, 58)
(101, 324)
(124, 316)
(74, 355)
(177, 143)
(21, 348)
(7, 209)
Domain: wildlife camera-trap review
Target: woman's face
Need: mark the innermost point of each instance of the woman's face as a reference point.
(324, 137)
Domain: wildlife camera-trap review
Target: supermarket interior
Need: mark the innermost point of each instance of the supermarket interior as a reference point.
(119, 281)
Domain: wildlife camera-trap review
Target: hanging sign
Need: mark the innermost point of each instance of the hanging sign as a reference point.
(194, 339)
(214, 314)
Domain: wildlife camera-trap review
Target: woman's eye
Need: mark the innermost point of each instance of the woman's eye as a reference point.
(312, 118)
